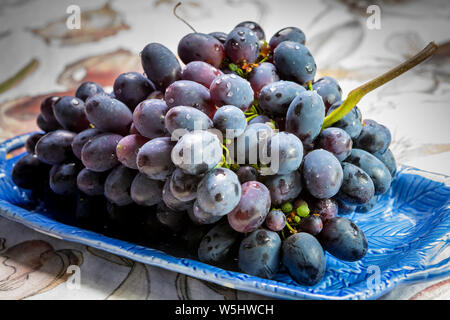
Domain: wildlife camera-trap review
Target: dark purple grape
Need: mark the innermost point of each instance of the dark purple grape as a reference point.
(47, 126)
(184, 186)
(357, 187)
(88, 89)
(199, 217)
(389, 161)
(230, 120)
(91, 183)
(63, 178)
(287, 34)
(200, 72)
(351, 122)
(294, 62)
(247, 173)
(131, 88)
(153, 158)
(230, 89)
(260, 119)
(343, 239)
(305, 116)
(260, 254)
(31, 142)
(161, 66)
(374, 137)
(252, 209)
(201, 47)
(70, 113)
(217, 245)
(344, 208)
(285, 153)
(262, 75)
(197, 152)
(284, 188)
(329, 90)
(128, 148)
(99, 153)
(242, 45)
(81, 138)
(366, 207)
(276, 220)
(275, 97)
(322, 174)
(188, 118)
(312, 224)
(376, 169)
(47, 108)
(303, 257)
(221, 36)
(325, 208)
(29, 172)
(109, 115)
(118, 185)
(173, 203)
(148, 117)
(335, 140)
(55, 147)
(219, 192)
(191, 94)
(255, 27)
(145, 191)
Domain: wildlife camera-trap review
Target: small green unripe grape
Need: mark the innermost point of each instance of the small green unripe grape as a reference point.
(303, 210)
(235, 167)
(287, 207)
(297, 219)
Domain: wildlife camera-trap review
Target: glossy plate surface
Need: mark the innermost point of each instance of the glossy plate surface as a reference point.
(408, 233)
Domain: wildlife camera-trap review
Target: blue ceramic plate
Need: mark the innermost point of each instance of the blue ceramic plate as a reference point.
(408, 233)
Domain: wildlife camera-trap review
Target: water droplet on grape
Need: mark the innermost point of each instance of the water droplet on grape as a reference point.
(171, 100)
(309, 68)
(229, 94)
(241, 33)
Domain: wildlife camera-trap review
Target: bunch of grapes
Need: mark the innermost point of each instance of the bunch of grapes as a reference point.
(189, 151)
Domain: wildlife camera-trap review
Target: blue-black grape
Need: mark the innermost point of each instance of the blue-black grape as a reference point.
(31, 142)
(366, 207)
(294, 62)
(118, 185)
(284, 188)
(109, 115)
(47, 108)
(287, 34)
(255, 27)
(260, 119)
(161, 66)
(184, 186)
(305, 116)
(88, 89)
(63, 178)
(153, 158)
(304, 259)
(47, 126)
(218, 244)
(252, 209)
(99, 153)
(201, 47)
(200, 217)
(188, 118)
(92, 183)
(171, 201)
(311, 224)
(128, 148)
(276, 220)
(357, 187)
(191, 94)
(70, 113)
(29, 172)
(230, 120)
(389, 161)
(285, 153)
(374, 137)
(145, 191)
(344, 208)
(81, 138)
(322, 174)
(325, 208)
(200, 72)
(351, 122)
(148, 118)
(221, 36)
(55, 147)
(343, 239)
(260, 253)
(247, 173)
(230, 89)
(335, 140)
(376, 169)
(262, 75)
(276, 97)
(219, 191)
(131, 88)
(242, 45)
(197, 152)
(329, 89)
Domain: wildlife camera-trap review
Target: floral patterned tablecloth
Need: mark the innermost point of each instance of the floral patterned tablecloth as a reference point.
(415, 107)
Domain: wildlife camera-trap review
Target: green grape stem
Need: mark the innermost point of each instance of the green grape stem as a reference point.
(356, 94)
